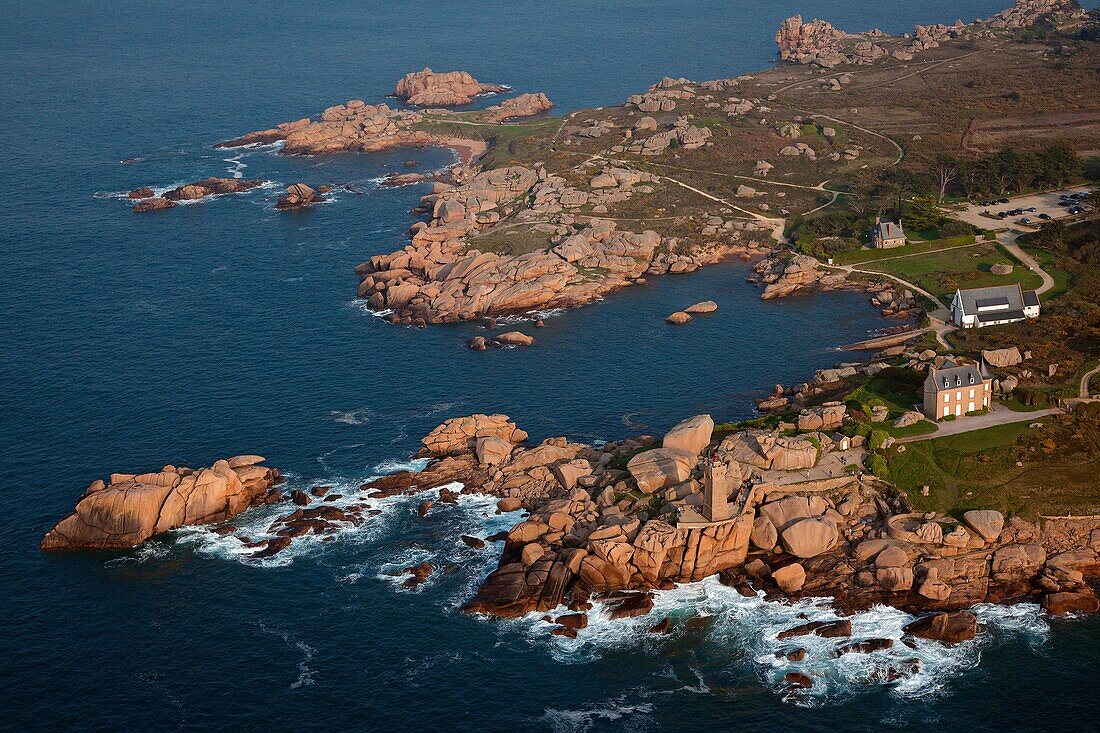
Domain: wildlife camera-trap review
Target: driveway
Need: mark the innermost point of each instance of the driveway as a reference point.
(998, 415)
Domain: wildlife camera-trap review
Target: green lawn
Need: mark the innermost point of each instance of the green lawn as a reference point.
(940, 273)
(858, 256)
(977, 470)
(898, 389)
(1046, 260)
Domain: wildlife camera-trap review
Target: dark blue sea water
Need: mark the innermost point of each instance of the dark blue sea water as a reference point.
(224, 327)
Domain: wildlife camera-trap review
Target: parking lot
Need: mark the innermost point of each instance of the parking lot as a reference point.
(1043, 203)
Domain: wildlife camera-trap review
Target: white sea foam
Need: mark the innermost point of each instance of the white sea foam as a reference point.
(236, 166)
(531, 316)
(750, 626)
(580, 721)
(305, 672)
(256, 524)
(152, 550)
(358, 416)
(395, 466)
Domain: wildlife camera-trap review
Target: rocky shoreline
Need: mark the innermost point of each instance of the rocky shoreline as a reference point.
(619, 521)
(821, 44)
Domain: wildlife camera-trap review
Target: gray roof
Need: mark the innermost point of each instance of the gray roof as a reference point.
(890, 230)
(1031, 298)
(997, 295)
(956, 375)
(1008, 315)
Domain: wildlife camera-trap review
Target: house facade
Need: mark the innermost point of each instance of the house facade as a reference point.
(956, 389)
(887, 234)
(993, 306)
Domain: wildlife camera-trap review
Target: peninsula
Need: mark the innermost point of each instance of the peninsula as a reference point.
(838, 488)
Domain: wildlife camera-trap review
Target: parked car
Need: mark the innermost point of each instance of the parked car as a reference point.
(1044, 216)
(1025, 220)
(1077, 210)
(1030, 208)
(1002, 201)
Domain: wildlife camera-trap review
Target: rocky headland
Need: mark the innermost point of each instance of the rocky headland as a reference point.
(621, 520)
(820, 43)
(441, 278)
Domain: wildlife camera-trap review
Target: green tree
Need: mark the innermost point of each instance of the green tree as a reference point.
(1051, 236)
(921, 213)
(1059, 164)
(877, 465)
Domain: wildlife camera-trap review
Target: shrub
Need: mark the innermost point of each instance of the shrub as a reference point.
(876, 464)
(878, 437)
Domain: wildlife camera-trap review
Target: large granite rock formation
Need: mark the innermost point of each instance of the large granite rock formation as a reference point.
(131, 508)
(816, 42)
(428, 88)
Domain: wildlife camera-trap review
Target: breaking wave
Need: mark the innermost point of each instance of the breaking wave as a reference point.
(749, 626)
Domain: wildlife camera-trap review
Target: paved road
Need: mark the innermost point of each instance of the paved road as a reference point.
(999, 415)
(1084, 393)
(1008, 240)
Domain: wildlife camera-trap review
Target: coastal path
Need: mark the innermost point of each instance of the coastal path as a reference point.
(1083, 393)
(997, 415)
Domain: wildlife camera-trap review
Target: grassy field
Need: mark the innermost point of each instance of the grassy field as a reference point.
(1062, 279)
(980, 469)
(860, 256)
(940, 273)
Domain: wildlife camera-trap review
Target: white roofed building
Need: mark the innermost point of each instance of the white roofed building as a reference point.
(993, 306)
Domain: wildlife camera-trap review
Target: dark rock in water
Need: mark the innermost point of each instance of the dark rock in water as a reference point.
(298, 196)
(300, 497)
(746, 590)
(796, 656)
(211, 186)
(573, 620)
(628, 605)
(498, 537)
(419, 574)
(223, 531)
(390, 485)
(478, 343)
(272, 546)
(949, 628)
(141, 193)
(699, 622)
(863, 647)
(798, 680)
(662, 626)
(446, 496)
(334, 497)
(424, 508)
(893, 673)
(319, 490)
(827, 629)
(565, 631)
(274, 497)
(152, 205)
(473, 542)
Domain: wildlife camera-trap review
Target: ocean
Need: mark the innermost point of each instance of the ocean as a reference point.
(223, 327)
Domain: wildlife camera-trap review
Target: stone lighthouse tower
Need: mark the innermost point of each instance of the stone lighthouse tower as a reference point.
(715, 491)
